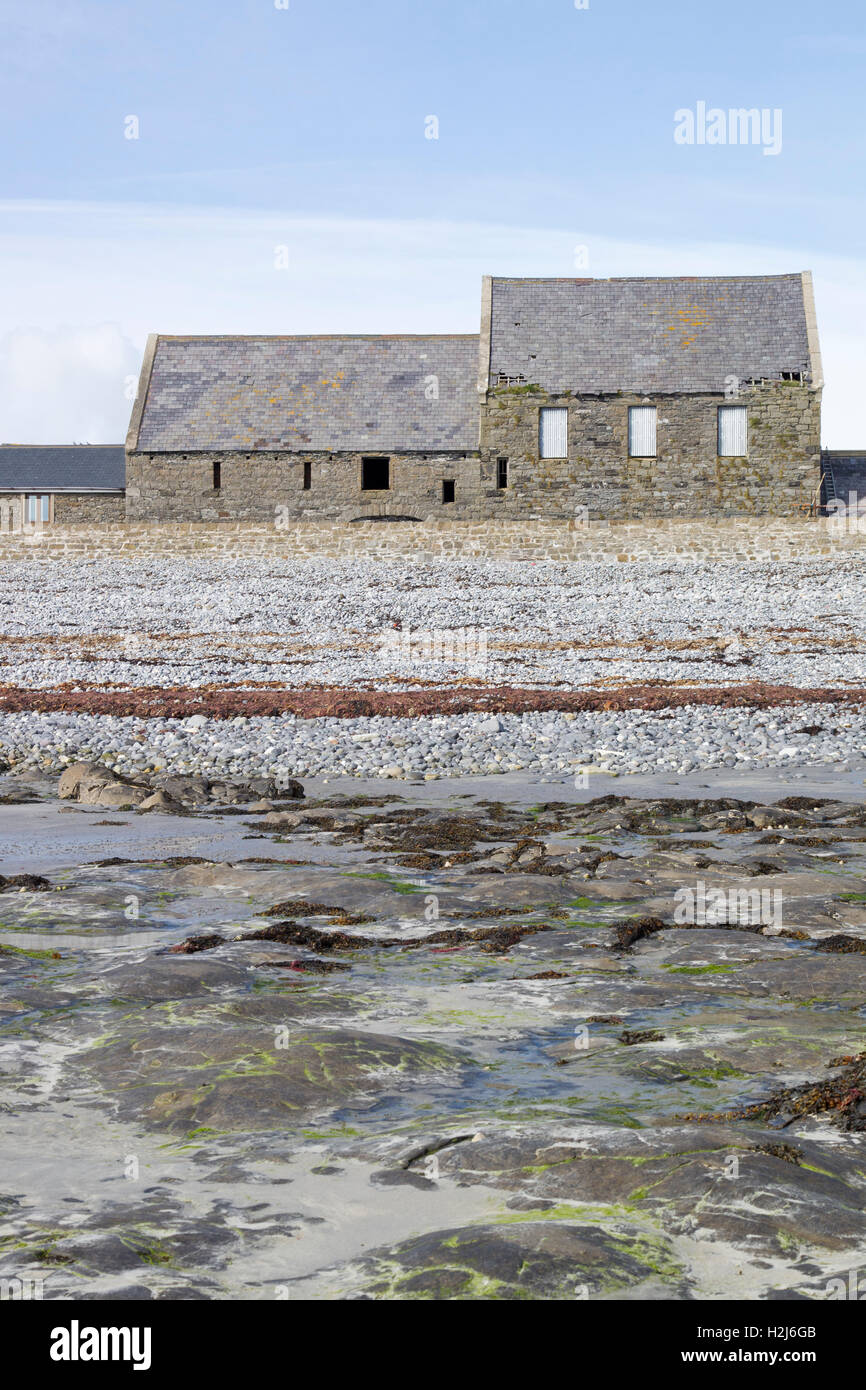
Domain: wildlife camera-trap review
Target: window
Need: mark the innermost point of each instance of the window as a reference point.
(502, 472)
(553, 432)
(733, 431)
(217, 477)
(447, 489)
(375, 474)
(37, 508)
(308, 475)
(642, 432)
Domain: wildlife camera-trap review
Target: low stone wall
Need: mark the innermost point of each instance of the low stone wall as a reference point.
(687, 540)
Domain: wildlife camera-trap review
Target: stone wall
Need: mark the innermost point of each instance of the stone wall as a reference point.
(254, 487)
(687, 478)
(72, 509)
(688, 541)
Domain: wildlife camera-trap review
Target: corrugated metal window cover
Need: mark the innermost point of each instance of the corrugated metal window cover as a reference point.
(733, 431)
(553, 432)
(642, 431)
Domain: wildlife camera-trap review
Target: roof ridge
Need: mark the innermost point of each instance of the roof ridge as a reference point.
(61, 446)
(312, 337)
(626, 279)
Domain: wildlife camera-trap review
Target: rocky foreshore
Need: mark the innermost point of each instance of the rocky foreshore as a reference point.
(420, 1045)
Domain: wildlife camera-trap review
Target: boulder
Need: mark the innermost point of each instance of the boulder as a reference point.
(286, 820)
(763, 817)
(160, 801)
(266, 788)
(288, 788)
(194, 788)
(72, 779)
(227, 794)
(114, 794)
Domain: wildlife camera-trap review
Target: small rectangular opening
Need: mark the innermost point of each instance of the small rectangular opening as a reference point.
(447, 489)
(308, 475)
(217, 477)
(375, 474)
(502, 472)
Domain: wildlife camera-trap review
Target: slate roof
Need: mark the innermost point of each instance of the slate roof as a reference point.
(312, 393)
(647, 335)
(62, 468)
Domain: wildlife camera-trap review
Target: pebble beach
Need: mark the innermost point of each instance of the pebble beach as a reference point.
(99, 631)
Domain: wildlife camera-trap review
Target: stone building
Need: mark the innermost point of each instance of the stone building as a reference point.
(43, 485)
(843, 482)
(607, 399)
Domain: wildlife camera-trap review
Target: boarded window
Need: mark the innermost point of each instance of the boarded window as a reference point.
(733, 431)
(553, 432)
(375, 474)
(447, 489)
(308, 475)
(642, 432)
(502, 472)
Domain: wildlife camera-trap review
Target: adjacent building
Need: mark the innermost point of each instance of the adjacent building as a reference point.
(41, 485)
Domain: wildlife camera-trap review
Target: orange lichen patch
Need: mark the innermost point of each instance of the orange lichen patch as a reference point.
(691, 317)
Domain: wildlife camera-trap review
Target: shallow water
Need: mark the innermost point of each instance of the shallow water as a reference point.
(218, 1125)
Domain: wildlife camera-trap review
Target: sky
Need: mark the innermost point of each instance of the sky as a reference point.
(304, 166)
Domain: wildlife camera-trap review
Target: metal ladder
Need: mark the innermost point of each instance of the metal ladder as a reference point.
(829, 490)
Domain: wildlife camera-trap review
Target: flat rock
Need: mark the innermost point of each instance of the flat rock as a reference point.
(245, 1078)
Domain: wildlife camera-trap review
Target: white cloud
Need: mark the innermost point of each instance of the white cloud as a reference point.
(65, 386)
(135, 269)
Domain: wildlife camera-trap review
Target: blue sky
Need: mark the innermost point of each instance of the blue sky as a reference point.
(304, 128)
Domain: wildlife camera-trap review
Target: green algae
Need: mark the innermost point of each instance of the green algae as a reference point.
(398, 885)
(703, 969)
